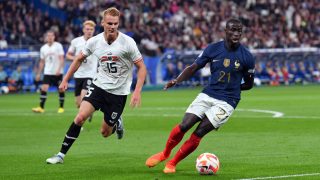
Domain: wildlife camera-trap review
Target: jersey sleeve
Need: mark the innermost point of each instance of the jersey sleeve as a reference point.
(88, 48)
(72, 47)
(134, 53)
(203, 58)
(250, 64)
(60, 50)
(42, 56)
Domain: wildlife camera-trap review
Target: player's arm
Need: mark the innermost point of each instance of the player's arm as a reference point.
(72, 69)
(61, 64)
(248, 74)
(186, 74)
(248, 81)
(71, 51)
(41, 66)
(141, 76)
(70, 56)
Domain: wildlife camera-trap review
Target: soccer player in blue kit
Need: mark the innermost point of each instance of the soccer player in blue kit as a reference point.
(230, 62)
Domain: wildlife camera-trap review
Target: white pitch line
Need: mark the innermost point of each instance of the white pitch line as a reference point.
(282, 177)
(276, 114)
(146, 115)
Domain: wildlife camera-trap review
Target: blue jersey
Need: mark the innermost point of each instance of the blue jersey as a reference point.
(227, 70)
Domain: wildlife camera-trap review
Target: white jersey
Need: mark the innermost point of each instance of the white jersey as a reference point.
(89, 66)
(115, 62)
(50, 54)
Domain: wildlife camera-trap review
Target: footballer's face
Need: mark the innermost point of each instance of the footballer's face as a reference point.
(88, 31)
(50, 37)
(110, 25)
(233, 32)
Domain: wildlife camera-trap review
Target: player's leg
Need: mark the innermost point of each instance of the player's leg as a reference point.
(109, 125)
(82, 94)
(214, 117)
(106, 130)
(175, 137)
(61, 101)
(204, 127)
(61, 94)
(77, 92)
(43, 95)
(86, 108)
(78, 101)
(120, 128)
(82, 85)
(193, 114)
(113, 108)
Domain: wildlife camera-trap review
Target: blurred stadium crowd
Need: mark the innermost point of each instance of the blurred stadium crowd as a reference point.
(160, 26)
(177, 24)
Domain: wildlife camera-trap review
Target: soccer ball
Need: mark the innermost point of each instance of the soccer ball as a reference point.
(207, 164)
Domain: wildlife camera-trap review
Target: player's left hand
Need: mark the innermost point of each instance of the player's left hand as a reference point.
(170, 84)
(135, 99)
(63, 86)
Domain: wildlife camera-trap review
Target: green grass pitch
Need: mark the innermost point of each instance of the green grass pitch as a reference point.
(251, 144)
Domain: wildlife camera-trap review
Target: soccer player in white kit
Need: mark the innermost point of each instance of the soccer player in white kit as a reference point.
(52, 60)
(117, 53)
(87, 70)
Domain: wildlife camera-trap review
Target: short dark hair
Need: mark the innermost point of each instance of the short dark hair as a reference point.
(50, 31)
(233, 20)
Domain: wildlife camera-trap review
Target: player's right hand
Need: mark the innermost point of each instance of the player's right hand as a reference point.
(170, 84)
(63, 86)
(38, 77)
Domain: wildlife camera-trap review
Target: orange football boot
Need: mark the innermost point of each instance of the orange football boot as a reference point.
(169, 169)
(155, 159)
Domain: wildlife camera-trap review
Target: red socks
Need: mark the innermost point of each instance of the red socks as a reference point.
(188, 147)
(175, 137)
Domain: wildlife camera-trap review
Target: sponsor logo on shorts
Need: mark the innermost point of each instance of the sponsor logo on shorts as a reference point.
(114, 115)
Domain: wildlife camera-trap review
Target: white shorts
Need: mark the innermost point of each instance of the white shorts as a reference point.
(217, 111)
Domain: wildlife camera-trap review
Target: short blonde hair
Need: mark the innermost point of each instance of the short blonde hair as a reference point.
(90, 23)
(111, 11)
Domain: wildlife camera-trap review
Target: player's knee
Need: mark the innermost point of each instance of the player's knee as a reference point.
(80, 119)
(201, 132)
(78, 104)
(105, 133)
(44, 88)
(184, 127)
(188, 122)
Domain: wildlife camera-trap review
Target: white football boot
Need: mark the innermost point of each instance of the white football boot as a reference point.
(56, 159)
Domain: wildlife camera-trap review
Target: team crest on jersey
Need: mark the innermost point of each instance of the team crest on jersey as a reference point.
(237, 64)
(114, 115)
(226, 62)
